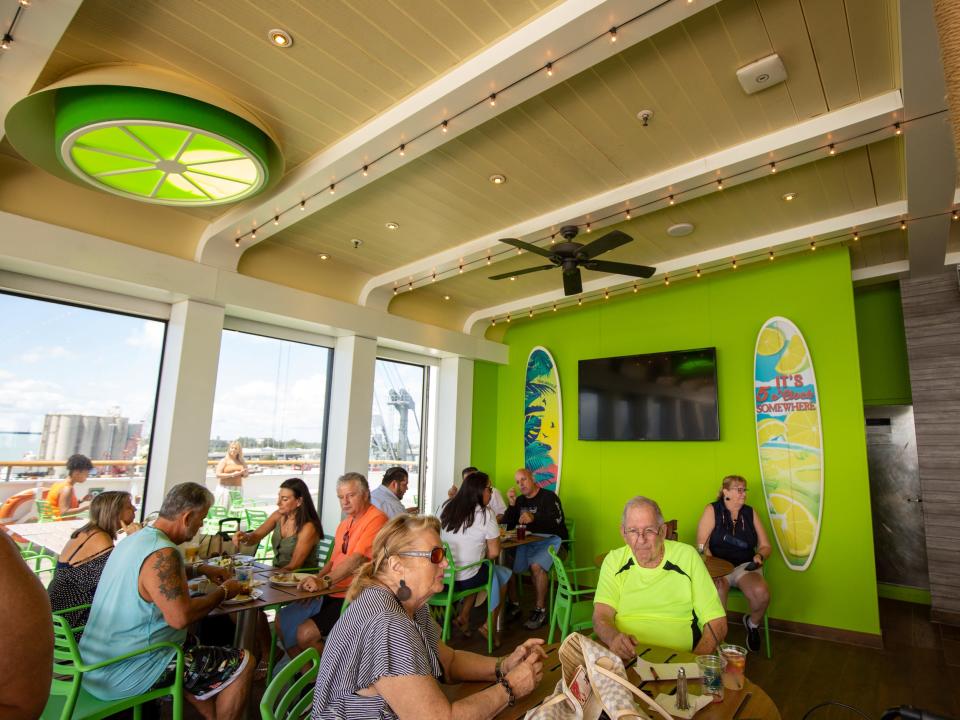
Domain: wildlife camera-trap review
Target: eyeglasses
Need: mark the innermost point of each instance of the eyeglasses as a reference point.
(740, 490)
(648, 533)
(436, 555)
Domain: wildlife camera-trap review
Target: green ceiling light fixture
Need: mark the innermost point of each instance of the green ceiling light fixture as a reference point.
(147, 135)
(159, 147)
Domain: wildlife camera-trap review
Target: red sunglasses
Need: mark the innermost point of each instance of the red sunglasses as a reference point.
(436, 555)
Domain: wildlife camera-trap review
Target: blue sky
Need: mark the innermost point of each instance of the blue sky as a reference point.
(64, 359)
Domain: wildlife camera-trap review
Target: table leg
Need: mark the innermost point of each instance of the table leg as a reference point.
(245, 634)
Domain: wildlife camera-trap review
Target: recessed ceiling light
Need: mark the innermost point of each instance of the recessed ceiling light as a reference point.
(446, 297)
(498, 179)
(323, 256)
(789, 196)
(280, 38)
(680, 229)
(392, 226)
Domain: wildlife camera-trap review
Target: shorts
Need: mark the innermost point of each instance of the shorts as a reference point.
(501, 575)
(733, 577)
(324, 611)
(535, 554)
(207, 669)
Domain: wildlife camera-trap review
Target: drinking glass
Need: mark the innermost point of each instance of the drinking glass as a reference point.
(190, 552)
(244, 575)
(521, 532)
(711, 668)
(736, 657)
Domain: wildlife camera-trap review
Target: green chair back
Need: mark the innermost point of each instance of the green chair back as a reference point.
(69, 701)
(325, 549)
(45, 512)
(255, 518)
(571, 612)
(447, 597)
(290, 694)
(43, 566)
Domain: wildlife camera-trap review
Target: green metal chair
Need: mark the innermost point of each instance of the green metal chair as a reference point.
(569, 560)
(45, 512)
(325, 549)
(215, 514)
(43, 565)
(69, 701)
(448, 596)
(255, 518)
(290, 694)
(570, 613)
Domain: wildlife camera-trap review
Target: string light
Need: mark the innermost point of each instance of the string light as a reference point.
(813, 245)
(773, 168)
(508, 317)
(719, 184)
(770, 256)
(403, 149)
(443, 126)
(549, 69)
(461, 267)
(236, 241)
(955, 216)
(629, 216)
(897, 130)
(333, 188)
(554, 307)
(734, 263)
(519, 251)
(588, 227)
(433, 278)
(613, 34)
(832, 150)
(903, 224)
(365, 171)
(606, 294)
(6, 41)
(666, 279)
(303, 205)
(493, 322)
(253, 234)
(698, 271)
(531, 312)
(671, 200)
(394, 289)
(493, 99)
(579, 301)
(856, 236)
(635, 287)
(553, 238)
(488, 258)
(410, 287)
(276, 219)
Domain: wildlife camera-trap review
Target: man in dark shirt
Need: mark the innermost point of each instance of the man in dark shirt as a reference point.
(540, 510)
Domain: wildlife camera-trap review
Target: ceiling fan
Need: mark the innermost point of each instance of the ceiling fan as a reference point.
(571, 256)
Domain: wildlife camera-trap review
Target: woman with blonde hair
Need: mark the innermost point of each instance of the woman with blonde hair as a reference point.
(83, 558)
(384, 657)
(731, 530)
(231, 470)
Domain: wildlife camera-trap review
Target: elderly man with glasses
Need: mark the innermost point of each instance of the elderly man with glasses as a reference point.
(654, 591)
(306, 623)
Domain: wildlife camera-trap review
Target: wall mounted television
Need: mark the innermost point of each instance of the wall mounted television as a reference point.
(659, 396)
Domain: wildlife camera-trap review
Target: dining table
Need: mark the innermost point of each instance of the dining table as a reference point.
(749, 703)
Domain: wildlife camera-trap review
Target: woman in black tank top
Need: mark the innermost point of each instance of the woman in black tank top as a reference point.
(730, 529)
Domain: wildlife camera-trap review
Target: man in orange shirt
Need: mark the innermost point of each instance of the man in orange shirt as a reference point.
(305, 624)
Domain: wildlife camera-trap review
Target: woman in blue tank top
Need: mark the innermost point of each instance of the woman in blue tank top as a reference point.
(730, 529)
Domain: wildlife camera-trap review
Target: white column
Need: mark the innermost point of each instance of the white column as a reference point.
(188, 380)
(351, 410)
(454, 424)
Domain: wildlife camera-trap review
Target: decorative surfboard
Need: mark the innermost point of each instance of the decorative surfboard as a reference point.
(789, 439)
(542, 414)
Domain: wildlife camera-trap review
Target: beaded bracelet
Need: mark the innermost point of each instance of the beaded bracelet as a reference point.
(511, 698)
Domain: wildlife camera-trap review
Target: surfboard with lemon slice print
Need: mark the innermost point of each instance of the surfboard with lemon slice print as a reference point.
(789, 439)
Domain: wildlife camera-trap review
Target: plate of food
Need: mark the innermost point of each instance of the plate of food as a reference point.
(243, 559)
(288, 579)
(244, 598)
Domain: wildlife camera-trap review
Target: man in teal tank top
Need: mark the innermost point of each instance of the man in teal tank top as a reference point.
(143, 598)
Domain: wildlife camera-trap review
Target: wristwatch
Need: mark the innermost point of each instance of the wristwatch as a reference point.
(327, 581)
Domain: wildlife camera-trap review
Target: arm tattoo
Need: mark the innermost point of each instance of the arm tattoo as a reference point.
(169, 571)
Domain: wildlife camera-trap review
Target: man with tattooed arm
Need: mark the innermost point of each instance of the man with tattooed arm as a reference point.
(143, 599)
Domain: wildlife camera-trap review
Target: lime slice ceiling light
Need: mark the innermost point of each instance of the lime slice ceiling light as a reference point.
(156, 146)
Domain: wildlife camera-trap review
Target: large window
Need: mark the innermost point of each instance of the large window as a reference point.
(272, 398)
(73, 380)
(397, 432)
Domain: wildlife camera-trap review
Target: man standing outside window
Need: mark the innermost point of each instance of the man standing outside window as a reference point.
(540, 510)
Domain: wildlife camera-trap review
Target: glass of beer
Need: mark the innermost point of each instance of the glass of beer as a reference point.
(190, 552)
(736, 657)
(521, 532)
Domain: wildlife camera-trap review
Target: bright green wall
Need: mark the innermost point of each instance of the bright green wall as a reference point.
(725, 310)
(483, 447)
(884, 371)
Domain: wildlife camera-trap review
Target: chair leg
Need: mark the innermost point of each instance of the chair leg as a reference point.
(273, 646)
(766, 632)
(448, 610)
(138, 712)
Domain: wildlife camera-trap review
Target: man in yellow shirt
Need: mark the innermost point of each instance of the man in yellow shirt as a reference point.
(655, 591)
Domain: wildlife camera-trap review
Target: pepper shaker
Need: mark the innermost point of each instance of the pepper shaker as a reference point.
(682, 701)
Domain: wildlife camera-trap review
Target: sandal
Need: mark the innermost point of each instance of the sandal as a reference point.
(483, 632)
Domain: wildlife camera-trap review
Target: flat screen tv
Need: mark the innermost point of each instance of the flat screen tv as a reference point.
(660, 396)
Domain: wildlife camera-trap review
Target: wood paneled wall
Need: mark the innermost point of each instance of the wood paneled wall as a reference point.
(931, 318)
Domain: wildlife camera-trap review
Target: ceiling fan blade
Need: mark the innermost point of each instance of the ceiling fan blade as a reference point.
(640, 271)
(504, 276)
(572, 283)
(608, 242)
(528, 247)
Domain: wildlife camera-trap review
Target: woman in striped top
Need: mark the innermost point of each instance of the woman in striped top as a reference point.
(384, 657)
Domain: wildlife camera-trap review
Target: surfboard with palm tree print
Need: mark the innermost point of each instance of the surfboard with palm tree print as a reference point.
(542, 414)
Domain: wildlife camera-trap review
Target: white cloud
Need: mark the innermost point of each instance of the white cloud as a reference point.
(38, 353)
(255, 409)
(148, 335)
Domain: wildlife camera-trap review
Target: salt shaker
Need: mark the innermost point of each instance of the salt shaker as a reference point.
(682, 702)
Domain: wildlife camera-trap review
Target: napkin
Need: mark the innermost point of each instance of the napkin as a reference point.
(696, 703)
(664, 671)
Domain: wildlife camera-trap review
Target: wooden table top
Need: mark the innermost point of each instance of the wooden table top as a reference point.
(717, 567)
(272, 595)
(509, 540)
(751, 702)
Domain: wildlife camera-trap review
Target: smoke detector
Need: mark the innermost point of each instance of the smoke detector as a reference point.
(680, 229)
(762, 74)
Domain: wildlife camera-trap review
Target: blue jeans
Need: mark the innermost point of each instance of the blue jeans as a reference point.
(535, 554)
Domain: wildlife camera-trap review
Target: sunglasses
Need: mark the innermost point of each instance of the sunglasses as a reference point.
(436, 555)
(346, 541)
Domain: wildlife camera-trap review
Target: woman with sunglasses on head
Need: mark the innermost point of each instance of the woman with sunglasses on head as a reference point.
(470, 528)
(384, 658)
(295, 526)
(730, 529)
